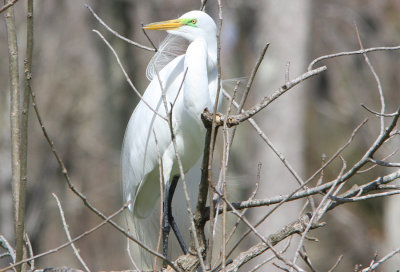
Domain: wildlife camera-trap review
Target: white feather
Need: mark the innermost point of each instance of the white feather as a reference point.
(171, 47)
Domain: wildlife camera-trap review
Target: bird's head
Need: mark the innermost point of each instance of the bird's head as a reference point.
(190, 26)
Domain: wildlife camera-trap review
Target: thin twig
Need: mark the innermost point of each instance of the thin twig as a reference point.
(203, 5)
(76, 251)
(127, 77)
(6, 6)
(307, 260)
(364, 189)
(148, 38)
(336, 264)
(222, 185)
(225, 155)
(317, 214)
(6, 245)
(30, 250)
(340, 200)
(378, 81)
(117, 34)
(252, 76)
(180, 88)
(162, 190)
(377, 113)
(382, 137)
(382, 160)
(383, 163)
(384, 259)
(248, 86)
(27, 90)
(245, 115)
(214, 128)
(349, 53)
(128, 249)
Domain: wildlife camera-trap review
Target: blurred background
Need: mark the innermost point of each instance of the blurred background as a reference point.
(85, 103)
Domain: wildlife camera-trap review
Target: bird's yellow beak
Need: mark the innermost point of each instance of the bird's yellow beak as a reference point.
(165, 25)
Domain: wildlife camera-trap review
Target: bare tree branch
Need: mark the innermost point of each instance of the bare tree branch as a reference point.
(336, 264)
(9, 4)
(18, 184)
(115, 33)
(378, 81)
(377, 113)
(383, 163)
(30, 251)
(297, 227)
(6, 245)
(64, 223)
(234, 120)
(349, 53)
(373, 266)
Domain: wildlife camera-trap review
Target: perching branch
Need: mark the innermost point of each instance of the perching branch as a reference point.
(234, 120)
(297, 227)
(214, 130)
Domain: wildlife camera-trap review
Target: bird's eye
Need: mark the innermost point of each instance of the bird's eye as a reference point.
(194, 21)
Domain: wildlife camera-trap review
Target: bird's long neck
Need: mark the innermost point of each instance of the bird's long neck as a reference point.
(212, 51)
(200, 60)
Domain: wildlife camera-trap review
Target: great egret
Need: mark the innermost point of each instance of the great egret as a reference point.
(148, 134)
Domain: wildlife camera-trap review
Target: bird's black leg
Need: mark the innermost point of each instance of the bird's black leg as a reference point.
(171, 219)
(165, 224)
(168, 219)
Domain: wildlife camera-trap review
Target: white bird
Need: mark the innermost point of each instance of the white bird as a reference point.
(148, 134)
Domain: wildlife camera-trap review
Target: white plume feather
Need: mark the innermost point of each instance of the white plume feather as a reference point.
(171, 47)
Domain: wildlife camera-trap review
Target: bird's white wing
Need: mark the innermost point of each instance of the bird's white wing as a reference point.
(139, 150)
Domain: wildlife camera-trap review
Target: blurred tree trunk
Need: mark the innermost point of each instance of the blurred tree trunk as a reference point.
(391, 230)
(6, 208)
(286, 28)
